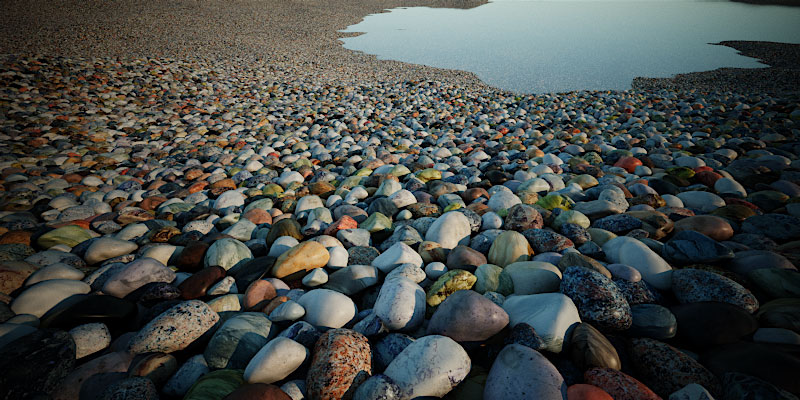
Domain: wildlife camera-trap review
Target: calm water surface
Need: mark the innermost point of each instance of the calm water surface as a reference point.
(557, 46)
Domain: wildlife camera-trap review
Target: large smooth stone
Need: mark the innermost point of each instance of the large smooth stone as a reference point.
(41, 297)
(90, 338)
(550, 314)
(694, 247)
(191, 371)
(768, 362)
(694, 286)
(104, 248)
(70, 235)
(400, 304)
(712, 226)
(780, 313)
(619, 385)
(238, 340)
(117, 314)
(597, 298)
(780, 227)
(703, 201)
(629, 251)
(174, 329)
(13, 274)
(137, 274)
(35, 364)
(666, 369)
(275, 361)
(508, 248)
(450, 230)
(227, 253)
(750, 260)
(776, 282)
(342, 360)
(707, 324)
(198, 284)
(532, 277)
(520, 372)
(589, 348)
(327, 308)
(490, 278)
(55, 271)
(352, 279)
(215, 385)
(466, 316)
(653, 321)
(430, 366)
(303, 257)
(258, 391)
(742, 386)
(397, 255)
(80, 378)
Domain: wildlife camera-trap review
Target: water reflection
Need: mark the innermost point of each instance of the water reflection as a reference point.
(556, 46)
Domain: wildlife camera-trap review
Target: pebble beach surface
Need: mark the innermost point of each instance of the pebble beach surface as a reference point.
(244, 227)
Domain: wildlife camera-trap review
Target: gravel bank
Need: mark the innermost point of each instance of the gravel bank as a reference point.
(782, 76)
(295, 38)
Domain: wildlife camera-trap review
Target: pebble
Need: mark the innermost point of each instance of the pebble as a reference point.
(179, 206)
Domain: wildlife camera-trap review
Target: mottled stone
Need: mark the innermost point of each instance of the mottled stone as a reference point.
(598, 300)
(666, 369)
(174, 329)
(341, 361)
(619, 385)
(694, 285)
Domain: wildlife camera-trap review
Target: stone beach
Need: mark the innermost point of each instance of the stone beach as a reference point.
(253, 212)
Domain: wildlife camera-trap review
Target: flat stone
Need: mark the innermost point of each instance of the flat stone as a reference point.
(694, 247)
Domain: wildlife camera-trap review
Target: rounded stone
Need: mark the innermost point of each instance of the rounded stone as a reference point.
(466, 316)
(275, 361)
(174, 329)
(429, 366)
(520, 372)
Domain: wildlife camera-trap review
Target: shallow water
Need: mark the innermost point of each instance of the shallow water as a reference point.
(557, 46)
